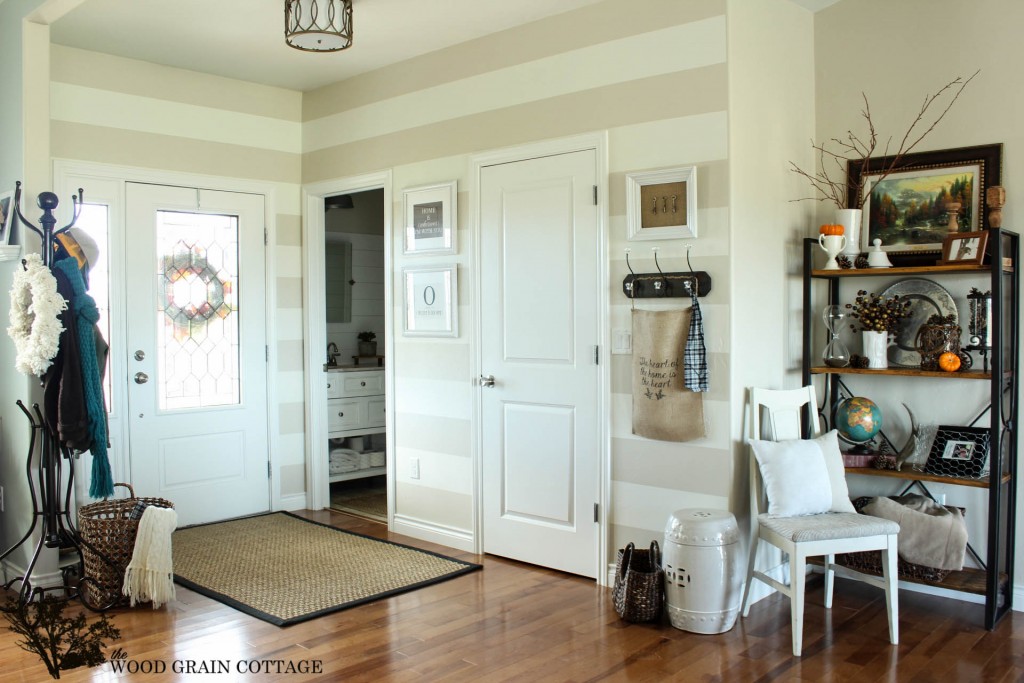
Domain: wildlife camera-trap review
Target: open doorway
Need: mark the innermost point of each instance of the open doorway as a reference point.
(355, 312)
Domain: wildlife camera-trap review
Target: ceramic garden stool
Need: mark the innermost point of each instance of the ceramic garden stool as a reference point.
(703, 581)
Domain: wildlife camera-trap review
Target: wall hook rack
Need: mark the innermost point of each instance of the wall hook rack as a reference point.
(662, 285)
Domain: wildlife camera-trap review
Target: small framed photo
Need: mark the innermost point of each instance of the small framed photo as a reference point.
(431, 301)
(430, 218)
(662, 204)
(7, 217)
(959, 452)
(964, 247)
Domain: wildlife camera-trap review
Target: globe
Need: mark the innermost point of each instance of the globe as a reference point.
(858, 420)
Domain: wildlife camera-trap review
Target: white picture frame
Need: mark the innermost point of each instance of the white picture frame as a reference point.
(6, 217)
(430, 219)
(674, 221)
(431, 301)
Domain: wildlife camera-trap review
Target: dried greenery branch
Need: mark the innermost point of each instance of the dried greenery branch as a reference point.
(833, 181)
(61, 642)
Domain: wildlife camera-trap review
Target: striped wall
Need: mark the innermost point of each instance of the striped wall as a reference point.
(656, 80)
(118, 111)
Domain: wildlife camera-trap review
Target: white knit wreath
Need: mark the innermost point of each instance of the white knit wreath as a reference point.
(35, 327)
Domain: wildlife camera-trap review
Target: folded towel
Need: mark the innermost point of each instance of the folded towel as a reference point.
(150, 574)
(342, 468)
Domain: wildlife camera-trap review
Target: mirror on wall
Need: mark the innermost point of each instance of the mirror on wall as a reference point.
(338, 276)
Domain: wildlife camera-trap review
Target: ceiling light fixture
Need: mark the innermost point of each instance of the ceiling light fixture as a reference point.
(318, 25)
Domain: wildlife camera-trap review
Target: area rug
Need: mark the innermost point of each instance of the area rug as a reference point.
(285, 569)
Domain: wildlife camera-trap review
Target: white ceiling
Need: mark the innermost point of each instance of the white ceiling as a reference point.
(244, 39)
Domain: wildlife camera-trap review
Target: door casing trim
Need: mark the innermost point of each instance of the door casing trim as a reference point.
(66, 169)
(597, 141)
(314, 299)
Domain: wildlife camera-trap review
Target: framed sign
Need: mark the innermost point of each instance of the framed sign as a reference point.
(6, 217)
(959, 452)
(661, 204)
(964, 247)
(431, 301)
(430, 219)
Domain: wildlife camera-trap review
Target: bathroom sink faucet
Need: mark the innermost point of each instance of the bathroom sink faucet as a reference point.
(332, 354)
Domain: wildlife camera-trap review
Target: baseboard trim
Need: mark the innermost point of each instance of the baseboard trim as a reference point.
(460, 539)
(296, 501)
(48, 580)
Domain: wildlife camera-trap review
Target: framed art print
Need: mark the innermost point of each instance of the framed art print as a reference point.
(6, 217)
(661, 204)
(430, 219)
(431, 297)
(960, 452)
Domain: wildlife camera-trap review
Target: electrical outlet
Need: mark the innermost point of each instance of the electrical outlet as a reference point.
(940, 499)
(414, 468)
(622, 342)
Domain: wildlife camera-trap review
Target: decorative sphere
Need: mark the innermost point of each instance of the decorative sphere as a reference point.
(858, 420)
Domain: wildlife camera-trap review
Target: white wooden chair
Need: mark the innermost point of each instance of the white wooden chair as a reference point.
(814, 535)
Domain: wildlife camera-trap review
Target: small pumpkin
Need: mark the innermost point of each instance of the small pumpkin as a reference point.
(949, 361)
(831, 229)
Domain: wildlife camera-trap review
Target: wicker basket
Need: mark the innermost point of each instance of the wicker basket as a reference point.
(639, 590)
(870, 561)
(107, 530)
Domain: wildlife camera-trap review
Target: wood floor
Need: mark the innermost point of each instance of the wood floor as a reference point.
(513, 622)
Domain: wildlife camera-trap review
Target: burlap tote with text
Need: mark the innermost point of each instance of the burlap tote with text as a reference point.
(663, 408)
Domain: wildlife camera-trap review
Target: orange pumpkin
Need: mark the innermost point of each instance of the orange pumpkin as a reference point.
(949, 361)
(831, 229)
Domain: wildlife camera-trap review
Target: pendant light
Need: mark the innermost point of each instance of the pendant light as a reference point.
(318, 25)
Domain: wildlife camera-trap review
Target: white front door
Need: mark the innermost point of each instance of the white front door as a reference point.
(196, 331)
(540, 318)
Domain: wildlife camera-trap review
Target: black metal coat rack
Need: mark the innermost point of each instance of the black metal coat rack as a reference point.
(45, 481)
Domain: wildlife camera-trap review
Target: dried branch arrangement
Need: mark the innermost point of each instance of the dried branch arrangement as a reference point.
(833, 182)
(61, 642)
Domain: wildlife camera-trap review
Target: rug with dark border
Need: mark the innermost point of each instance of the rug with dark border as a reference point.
(286, 569)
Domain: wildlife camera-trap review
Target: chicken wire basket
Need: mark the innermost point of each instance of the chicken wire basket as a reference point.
(959, 452)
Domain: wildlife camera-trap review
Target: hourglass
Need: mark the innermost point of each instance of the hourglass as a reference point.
(835, 355)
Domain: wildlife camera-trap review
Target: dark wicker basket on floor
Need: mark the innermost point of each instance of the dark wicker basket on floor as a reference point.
(871, 561)
(639, 589)
(107, 530)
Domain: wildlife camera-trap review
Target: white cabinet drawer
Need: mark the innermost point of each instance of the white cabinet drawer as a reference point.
(346, 413)
(365, 383)
(375, 411)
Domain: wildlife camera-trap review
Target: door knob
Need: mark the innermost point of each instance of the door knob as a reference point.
(487, 381)
(141, 378)
(140, 355)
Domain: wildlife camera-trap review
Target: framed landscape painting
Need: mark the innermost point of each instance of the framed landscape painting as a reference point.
(929, 196)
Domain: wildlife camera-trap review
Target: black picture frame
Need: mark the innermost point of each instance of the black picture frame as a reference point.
(960, 452)
(985, 161)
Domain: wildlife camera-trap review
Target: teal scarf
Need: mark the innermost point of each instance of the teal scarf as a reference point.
(87, 315)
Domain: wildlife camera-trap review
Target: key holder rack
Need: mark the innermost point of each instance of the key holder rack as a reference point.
(662, 285)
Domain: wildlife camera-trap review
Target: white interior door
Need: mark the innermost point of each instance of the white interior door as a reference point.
(540, 316)
(197, 385)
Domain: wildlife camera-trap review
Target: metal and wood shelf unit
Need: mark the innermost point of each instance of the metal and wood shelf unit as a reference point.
(995, 579)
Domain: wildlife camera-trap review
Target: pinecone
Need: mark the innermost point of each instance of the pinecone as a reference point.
(861, 262)
(844, 262)
(857, 361)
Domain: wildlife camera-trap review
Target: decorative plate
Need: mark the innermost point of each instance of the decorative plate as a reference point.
(927, 298)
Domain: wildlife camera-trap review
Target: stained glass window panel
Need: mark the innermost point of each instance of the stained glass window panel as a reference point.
(197, 310)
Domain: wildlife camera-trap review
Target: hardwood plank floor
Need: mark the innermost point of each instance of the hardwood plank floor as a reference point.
(514, 622)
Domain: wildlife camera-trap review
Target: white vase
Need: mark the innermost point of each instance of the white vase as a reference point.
(876, 346)
(850, 219)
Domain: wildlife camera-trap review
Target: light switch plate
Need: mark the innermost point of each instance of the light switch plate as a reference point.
(622, 342)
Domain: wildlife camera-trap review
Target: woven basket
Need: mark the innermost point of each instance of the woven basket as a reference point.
(639, 589)
(107, 530)
(870, 561)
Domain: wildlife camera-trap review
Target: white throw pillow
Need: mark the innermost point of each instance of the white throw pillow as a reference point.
(803, 476)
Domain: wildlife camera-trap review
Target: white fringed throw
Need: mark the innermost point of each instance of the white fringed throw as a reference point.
(150, 574)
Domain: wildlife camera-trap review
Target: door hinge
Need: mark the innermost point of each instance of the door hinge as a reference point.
(267, 352)
(595, 195)
(597, 355)
(596, 510)
(268, 470)
(266, 237)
